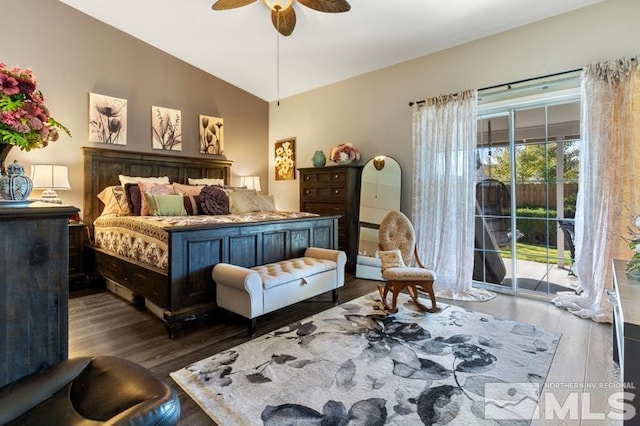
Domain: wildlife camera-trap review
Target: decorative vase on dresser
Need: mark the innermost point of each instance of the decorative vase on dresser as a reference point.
(15, 186)
(335, 190)
(319, 159)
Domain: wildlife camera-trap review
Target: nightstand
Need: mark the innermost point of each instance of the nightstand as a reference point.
(77, 239)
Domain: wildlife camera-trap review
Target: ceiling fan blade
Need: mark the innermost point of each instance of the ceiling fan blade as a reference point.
(285, 22)
(230, 4)
(330, 6)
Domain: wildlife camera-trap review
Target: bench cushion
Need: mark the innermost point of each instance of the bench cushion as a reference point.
(275, 274)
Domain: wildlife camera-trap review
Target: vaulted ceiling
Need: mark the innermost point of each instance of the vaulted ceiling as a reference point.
(240, 46)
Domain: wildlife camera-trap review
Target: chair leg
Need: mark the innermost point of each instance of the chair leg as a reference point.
(413, 292)
(432, 295)
(394, 298)
(383, 294)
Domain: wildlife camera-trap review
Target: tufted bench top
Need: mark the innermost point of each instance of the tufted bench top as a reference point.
(275, 274)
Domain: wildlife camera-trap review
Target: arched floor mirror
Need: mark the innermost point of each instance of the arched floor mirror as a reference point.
(379, 193)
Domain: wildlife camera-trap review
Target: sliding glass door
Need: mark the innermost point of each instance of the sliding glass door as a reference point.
(526, 186)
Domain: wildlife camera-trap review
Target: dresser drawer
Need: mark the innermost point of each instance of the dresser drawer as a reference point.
(336, 192)
(324, 208)
(326, 177)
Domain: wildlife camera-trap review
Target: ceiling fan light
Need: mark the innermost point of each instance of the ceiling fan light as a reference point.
(278, 4)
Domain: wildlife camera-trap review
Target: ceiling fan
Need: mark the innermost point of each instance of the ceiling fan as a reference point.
(282, 14)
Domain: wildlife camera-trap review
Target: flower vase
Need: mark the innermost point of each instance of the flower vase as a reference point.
(319, 159)
(15, 185)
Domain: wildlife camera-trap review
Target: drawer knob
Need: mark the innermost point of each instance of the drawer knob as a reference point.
(336, 191)
(307, 192)
(336, 176)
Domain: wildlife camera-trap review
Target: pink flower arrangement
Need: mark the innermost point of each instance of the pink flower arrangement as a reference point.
(24, 119)
(344, 153)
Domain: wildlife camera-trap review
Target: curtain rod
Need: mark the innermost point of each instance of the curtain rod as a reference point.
(411, 103)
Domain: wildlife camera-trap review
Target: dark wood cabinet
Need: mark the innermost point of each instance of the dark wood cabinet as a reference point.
(625, 297)
(34, 286)
(335, 190)
(77, 240)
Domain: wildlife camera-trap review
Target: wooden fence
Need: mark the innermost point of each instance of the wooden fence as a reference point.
(538, 194)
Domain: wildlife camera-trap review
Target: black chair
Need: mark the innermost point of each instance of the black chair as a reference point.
(88, 391)
(568, 229)
(494, 200)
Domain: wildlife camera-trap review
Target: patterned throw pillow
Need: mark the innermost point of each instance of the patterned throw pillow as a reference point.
(391, 259)
(244, 201)
(134, 198)
(267, 203)
(213, 200)
(114, 200)
(153, 188)
(191, 204)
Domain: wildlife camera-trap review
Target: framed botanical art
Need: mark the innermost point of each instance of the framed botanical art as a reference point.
(166, 129)
(211, 132)
(285, 159)
(107, 119)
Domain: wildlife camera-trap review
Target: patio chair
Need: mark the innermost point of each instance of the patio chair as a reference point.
(494, 199)
(568, 229)
(397, 253)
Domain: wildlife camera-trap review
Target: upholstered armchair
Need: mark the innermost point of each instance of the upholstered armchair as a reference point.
(397, 254)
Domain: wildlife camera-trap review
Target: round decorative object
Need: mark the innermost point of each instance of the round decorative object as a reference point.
(319, 159)
(344, 162)
(15, 185)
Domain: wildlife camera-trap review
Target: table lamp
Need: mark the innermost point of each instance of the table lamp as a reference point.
(49, 178)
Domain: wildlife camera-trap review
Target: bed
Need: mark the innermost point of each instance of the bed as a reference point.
(184, 289)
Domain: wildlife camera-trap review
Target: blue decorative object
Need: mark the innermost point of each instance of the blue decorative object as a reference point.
(15, 185)
(319, 159)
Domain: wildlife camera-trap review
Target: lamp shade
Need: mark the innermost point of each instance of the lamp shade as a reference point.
(251, 182)
(49, 176)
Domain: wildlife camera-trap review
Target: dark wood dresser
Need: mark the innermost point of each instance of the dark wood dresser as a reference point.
(34, 287)
(625, 298)
(335, 190)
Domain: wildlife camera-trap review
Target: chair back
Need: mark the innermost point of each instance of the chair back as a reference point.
(396, 232)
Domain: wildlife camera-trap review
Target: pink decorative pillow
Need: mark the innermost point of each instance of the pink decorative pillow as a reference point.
(187, 189)
(152, 188)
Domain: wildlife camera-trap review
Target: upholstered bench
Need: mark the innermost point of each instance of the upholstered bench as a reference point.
(263, 289)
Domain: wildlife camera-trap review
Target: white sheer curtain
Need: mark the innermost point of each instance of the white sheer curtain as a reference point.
(610, 132)
(444, 144)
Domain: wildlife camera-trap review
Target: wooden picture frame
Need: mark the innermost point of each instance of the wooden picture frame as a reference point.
(166, 129)
(285, 159)
(107, 119)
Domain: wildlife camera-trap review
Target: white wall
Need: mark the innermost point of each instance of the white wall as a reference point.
(372, 110)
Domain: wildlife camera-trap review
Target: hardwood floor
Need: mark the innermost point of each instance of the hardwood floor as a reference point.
(103, 324)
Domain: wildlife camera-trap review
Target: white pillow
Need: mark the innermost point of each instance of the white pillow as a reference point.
(267, 203)
(206, 181)
(391, 259)
(124, 179)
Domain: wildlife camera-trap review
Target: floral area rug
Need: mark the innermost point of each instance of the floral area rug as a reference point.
(352, 364)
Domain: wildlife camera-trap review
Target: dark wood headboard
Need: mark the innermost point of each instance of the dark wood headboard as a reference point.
(102, 167)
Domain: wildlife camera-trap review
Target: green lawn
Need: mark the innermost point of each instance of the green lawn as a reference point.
(537, 254)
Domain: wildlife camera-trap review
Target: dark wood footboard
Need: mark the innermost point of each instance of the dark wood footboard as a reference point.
(186, 289)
